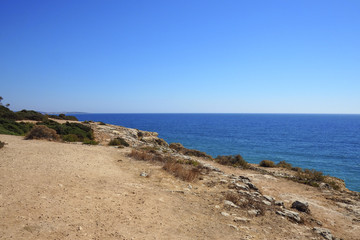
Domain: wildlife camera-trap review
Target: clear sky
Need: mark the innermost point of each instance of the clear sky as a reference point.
(181, 56)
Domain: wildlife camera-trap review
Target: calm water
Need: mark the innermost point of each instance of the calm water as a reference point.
(328, 143)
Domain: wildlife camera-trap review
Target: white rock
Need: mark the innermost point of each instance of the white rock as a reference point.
(225, 214)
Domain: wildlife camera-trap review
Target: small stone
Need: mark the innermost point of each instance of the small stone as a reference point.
(233, 226)
(266, 202)
(230, 204)
(301, 206)
(144, 174)
(270, 199)
(223, 181)
(60, 185)
(252, 186)
(189, 186)
(217, 206)
(254, 212)
(80, 228)
(239, 219)
(279, 203)
(225, 214)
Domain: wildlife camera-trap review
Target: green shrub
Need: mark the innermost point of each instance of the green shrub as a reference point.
(10, 127)
(70, 138)
(42, 132)
(284, 164)
(296, 169)
(63, 117)
(310, 177)
(236, 161)
(118, 142)
(267, 163)
(102, 123)
(30, 115)
(2, 144)
(90, 142)
(6, 113)
(81, 131)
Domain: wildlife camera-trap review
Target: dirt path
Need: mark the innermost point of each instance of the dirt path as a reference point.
(52, 190)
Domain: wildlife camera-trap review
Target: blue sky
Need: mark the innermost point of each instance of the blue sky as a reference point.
(181, 56)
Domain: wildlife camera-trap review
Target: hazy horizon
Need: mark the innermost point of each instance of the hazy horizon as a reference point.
(181, 56)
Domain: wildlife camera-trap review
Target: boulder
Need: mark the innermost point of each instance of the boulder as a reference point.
(230, 204)
(301, 206)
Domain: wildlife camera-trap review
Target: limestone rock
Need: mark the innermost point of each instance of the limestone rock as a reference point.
(290, 214)
(230, 204)
(225, 214)
(324, 232)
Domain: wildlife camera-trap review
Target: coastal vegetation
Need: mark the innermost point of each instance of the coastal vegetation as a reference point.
(189, 152)
(12, 123)
(119, 141)
(42, 132)
(63, 117)
(267, 163)
(233, 160)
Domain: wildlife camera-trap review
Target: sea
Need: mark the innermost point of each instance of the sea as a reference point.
(327, 143)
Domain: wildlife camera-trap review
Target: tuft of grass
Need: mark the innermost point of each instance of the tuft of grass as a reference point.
(184, 172)
(2, 144)
(118, 142)
(42, 132)
(267, 163)
(235, 161)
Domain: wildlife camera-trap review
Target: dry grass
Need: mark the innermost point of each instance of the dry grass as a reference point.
(184, 172)
(2, 144)
(42, 132)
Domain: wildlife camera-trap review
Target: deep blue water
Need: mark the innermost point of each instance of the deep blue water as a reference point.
(327, 143)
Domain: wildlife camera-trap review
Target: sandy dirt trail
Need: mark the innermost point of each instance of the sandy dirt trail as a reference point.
(51, 190)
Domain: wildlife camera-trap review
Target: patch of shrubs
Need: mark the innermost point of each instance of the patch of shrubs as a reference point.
(119, 141)
(2, 144)
(81, 131)
(30, 115)
(63, 117)
(42, 132)
(189, 152)
(267, 163)
(102, 123)
(10, 127)
(233, 160)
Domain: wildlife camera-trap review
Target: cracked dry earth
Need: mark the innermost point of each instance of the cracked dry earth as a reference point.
(51, 190)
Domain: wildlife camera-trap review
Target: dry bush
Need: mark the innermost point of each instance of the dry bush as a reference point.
(2, 144)
(284, 164)
(189, 152)
(141, 155)
(184, 172)
(42, 132)
(235, 161)
(267, 163)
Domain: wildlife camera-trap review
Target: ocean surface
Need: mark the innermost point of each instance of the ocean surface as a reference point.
(327, 143)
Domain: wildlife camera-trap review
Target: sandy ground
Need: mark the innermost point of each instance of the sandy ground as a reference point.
(51, 190)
